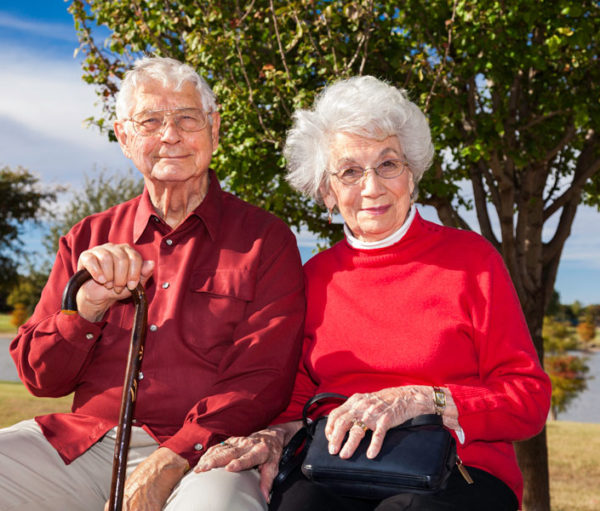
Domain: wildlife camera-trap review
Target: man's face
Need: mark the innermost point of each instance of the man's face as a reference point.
(171, 155)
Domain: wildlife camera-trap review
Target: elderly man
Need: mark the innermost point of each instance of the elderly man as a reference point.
(226, 306)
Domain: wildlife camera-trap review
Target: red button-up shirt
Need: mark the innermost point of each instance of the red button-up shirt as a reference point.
(226, 309)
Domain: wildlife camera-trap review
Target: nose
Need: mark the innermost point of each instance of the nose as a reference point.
(371, 183)
(170, 131)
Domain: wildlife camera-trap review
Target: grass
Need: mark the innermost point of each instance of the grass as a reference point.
(574, 459)
(5, 325)
(573, 448)
(16, 404)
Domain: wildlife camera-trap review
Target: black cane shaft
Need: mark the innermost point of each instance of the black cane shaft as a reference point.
(129, 394)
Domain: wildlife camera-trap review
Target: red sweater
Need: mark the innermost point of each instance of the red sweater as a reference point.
(436, 308)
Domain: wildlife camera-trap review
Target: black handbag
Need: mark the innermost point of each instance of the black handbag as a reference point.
(416, 457)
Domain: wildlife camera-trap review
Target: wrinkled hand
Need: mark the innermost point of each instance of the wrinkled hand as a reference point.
(151, 483)
(261, 449)
(115, 269)
(377, 411)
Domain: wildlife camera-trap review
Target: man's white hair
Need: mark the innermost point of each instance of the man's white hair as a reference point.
(168, 72)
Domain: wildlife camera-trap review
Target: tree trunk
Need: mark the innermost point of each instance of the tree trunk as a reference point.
(533, 460)
(532, 454)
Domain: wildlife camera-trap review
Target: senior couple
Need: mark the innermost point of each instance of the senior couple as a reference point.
(240, 336)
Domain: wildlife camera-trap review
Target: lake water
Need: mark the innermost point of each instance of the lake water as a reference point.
(585, 408)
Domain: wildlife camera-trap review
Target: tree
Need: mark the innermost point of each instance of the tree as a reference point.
(21, 199)
(568, 376)
(510, 88)
(558, 336)
(586, 329)
(99, 193)
(19, 315)
(567, 371)
(28, 288)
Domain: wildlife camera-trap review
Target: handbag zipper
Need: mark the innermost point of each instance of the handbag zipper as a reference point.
(463, 470)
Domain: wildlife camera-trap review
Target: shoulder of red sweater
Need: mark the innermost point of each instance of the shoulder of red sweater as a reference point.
(452, 235)
(326, 258)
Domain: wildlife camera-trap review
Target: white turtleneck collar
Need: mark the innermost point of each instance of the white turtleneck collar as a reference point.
(386, 242)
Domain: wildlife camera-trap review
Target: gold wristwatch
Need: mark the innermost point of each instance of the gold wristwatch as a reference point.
(439, 400)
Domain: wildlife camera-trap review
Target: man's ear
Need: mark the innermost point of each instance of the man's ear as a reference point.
(122, 137)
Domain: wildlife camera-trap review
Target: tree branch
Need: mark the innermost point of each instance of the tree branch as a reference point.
(449, 24)
(588, 164)
(443, 205)
(481, 206)
(333, 52)
(271, 138)
(542, 118)
(281, 53)
(568, 137)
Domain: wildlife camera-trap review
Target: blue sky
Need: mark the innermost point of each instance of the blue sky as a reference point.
(43, 103)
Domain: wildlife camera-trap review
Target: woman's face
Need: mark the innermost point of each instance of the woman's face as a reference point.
(375, 207)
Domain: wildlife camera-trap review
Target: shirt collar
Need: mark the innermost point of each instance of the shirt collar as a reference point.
(386, 242)
(209, 210)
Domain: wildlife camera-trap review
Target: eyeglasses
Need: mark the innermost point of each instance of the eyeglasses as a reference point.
(354, 174)
(151, 122)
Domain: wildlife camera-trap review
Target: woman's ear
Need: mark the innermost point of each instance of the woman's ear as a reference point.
(411, 184)
(329, 198)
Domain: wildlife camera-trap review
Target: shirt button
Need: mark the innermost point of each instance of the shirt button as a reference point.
(165, 285)
(198, 447)
(140, 376)
(153, 328)
(89, 336)
(169, 242)
(156, 219)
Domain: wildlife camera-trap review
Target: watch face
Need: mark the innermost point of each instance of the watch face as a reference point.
(440, 398)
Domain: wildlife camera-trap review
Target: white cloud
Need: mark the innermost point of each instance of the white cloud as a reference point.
(42, 107)
(583, 245)
(52, 30)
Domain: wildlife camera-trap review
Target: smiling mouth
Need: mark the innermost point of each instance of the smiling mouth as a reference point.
(172, 157)
(379, 210)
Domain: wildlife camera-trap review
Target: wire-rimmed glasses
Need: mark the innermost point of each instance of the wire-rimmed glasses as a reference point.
(354, 174)
(151, 122)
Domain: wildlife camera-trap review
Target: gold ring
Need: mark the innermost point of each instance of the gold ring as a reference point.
(360, 424)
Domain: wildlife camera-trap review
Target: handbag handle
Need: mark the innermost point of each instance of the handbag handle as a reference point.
(314, 400)
(428, 419)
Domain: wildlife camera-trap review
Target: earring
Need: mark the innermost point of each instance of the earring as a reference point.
(329, 217)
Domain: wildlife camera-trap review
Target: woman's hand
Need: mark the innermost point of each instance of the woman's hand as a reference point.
(261, 449)
(377, 411)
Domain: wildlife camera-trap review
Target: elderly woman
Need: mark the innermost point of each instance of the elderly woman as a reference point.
(405, 316)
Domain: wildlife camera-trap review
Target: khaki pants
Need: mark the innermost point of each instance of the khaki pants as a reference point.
(34, 478)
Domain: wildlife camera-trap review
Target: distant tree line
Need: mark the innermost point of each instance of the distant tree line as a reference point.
(569, 331)
(24, 199)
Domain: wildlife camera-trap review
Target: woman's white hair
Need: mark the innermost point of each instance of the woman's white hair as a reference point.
(168, 72)
(364, 106)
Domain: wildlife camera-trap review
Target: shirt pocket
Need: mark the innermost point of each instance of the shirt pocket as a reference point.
(234, 283)
(218, 304)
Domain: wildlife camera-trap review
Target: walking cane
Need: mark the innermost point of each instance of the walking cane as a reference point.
(129, 394)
